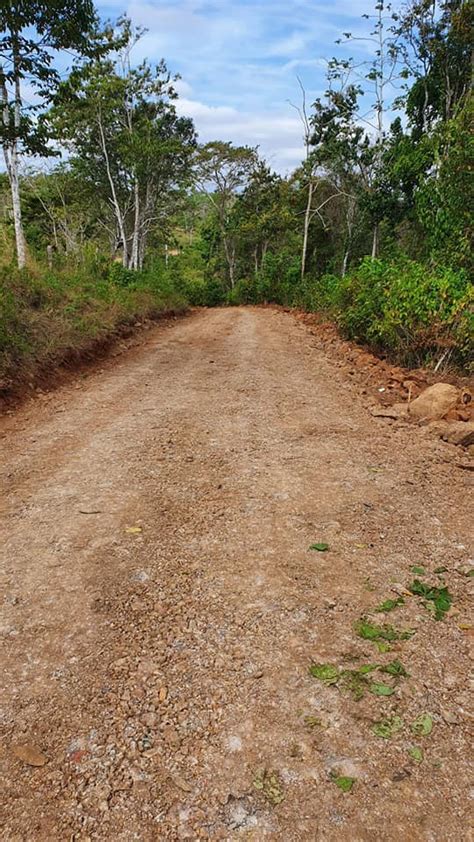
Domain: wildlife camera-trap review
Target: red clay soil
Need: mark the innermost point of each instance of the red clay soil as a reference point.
(162, 608)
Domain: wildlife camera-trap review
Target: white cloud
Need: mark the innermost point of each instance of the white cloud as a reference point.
(278, 135)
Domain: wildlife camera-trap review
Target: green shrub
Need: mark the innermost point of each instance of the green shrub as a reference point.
(408, 309)
(46, 316)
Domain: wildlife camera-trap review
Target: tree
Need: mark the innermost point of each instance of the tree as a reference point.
(30, 30)
(126, 139)
(221, 171)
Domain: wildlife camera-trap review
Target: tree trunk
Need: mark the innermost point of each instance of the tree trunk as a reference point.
(307, 218)
(375, 241)
(114, 199)
(345, 261)
(349, 225)
(255, 260)
(136, 228)
(17, 221)
(230, 257)
(10, 152)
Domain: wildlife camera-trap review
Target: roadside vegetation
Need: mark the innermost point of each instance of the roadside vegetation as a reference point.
(372, 230)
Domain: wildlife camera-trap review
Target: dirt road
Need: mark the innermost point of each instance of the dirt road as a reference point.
(162, 609)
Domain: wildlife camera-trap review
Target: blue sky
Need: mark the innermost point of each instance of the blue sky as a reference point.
(239, 61)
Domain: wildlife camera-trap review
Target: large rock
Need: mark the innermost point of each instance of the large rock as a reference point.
(461, 433)
(434, 402)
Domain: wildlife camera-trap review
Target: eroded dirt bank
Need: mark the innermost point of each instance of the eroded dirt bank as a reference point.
(162, 609)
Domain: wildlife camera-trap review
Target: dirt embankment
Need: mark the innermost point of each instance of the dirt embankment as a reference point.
(177, 662)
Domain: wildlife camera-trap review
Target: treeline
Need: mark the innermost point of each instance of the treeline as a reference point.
(373, 228)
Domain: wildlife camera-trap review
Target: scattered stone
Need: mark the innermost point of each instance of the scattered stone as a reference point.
(398, 410)
(434, 402)
(449, 716)
(30, 754)
(344, 767)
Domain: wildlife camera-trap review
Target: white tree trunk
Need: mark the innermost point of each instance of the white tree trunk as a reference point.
(375, 241)
(134, 259)
(17, 221)
(10, 152)
(345, 262)
(230, 257)
(307, 219)
(114, 199)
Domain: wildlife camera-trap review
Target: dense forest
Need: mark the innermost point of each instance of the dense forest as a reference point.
(112, 210)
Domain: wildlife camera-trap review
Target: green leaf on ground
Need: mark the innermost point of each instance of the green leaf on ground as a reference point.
(423, 725)
(343, 782)
(416, 754)
(355, 683)
(312, 721)
(420, 571)
(440, 597)
(395, 668)
(325, 672)
(370, 631)
(389, 605)
(440, 570)
(386, 728)
(366, 668)
(270, 785)
(381, 689)
(382, 647)
(320, 548)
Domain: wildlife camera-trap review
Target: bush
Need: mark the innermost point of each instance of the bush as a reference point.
(48, 316)
(278, 278)
(414, 312)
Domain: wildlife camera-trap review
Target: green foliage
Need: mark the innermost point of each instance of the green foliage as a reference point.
(403, 307)
(387, 728)
(440, 597)
(389, 605)
(395, 668)
(325, 672)
(344, 782)
(373, 632)
(46, 317)
(423, 725)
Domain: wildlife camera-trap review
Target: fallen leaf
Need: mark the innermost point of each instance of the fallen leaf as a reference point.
(440, 597)
(325, 672)
(381, 689)
(320, 548)
(423, 725)
(386, 728)
(133, 530)
(395, 668)
(416, 754)
(312, 721)
(30, 754)
(389, 605)
(270, 785)
(343, 782)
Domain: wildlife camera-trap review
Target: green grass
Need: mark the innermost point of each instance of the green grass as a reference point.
(47, 318)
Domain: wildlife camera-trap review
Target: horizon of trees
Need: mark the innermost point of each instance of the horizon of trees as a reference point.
(136, 179)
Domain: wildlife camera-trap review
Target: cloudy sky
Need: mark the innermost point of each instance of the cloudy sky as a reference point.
(239, 61)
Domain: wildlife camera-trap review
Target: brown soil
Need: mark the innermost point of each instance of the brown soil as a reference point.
(162, 608)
